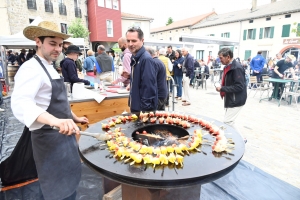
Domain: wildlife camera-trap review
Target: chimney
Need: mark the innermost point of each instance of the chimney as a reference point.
(273, 1)
(254, 3)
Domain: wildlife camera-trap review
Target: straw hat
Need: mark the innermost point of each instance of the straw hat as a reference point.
(292, 57)
(45, 28)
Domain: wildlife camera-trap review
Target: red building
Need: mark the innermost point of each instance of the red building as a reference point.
(104, 22)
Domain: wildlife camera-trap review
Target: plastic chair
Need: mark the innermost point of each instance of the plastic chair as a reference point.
(201, 81)
(264, 86)
(291, 92)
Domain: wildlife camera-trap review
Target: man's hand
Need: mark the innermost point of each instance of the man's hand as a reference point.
(128, 87)
(125, 74)
(82, 120)
(66, 126)
(280, 75)
(114, 82)
(218, 89)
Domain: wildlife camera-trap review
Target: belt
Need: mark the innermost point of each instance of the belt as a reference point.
(90, 71)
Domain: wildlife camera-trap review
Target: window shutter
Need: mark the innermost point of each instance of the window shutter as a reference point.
(245, 35)
(228, 34)
(286, 30)
(254, 34)
(247, 54)
(221, 34)
(272, 32)
(261, 30)
(298, 30)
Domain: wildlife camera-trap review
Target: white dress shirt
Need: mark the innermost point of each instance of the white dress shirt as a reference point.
(32, 92)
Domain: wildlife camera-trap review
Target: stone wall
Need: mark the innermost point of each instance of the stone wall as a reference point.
(19, 14)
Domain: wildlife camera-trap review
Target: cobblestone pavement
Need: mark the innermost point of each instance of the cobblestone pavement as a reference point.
(272, 132)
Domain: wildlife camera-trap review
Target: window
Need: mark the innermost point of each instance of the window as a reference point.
(251, 34)
(60, 1)
(109, 27)
(225, 35)
(31, 4)
(170, 38)
(183, 29)
(152, 35)
(268, 18)
(176, 30)
(247, 54)
(267, 32)
(251, 21)
(116, 4)
(199, 54)
(170, 31)
(286, 29)
(64, 28)
(288, 16)
(210, 34)
(30, 20)
(77, 3)
(101, 3)
(108, 3)
(137, 24)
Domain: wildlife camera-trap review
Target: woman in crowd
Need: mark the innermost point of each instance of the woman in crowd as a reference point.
(89, 63)
(177, 69)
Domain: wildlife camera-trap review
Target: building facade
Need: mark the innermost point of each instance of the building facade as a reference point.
(132, 20)
(173, 31)
(267, 28)
(17, 14)
(104, 22)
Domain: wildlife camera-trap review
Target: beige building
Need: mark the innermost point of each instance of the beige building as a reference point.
(266, 28)
(15, 15)
(130, 20)
(173, 31)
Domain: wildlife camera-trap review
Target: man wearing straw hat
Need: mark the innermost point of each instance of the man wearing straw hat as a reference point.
(39, 100)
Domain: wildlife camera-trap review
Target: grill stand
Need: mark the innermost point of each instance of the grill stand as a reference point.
(137, 193)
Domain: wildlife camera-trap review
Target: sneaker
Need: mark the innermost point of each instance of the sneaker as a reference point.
(179, 98)
(2, 110)
(170, 94)
(186, 104)
(183, 100)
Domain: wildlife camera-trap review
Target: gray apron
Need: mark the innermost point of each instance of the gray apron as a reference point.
(56, 155)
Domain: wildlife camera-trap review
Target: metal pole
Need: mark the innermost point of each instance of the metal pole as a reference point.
(173, 97)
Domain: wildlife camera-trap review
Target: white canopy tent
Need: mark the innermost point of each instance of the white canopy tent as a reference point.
(19, 41)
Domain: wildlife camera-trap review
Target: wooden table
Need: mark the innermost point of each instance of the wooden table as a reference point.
(276, 82)
(112, 105)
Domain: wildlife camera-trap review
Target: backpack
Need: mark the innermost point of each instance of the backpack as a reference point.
(78, 65)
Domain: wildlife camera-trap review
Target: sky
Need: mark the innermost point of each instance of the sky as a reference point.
(161, 10)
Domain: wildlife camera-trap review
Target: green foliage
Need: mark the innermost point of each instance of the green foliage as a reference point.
(170, 21)
(77, 29)
(296, 29)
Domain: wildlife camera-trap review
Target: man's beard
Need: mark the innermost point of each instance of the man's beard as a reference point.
(123, 48)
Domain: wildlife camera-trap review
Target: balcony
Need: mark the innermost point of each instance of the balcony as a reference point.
(62, 9)
(77, 12)
(31, 4)
(48, 6)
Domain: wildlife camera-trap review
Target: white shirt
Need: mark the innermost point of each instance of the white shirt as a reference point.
(32, 92)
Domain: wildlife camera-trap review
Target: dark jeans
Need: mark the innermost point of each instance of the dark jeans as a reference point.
(258, 76)
(178, 81)
(72, 197)
(161, 104)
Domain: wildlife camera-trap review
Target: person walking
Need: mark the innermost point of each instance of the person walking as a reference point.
(39, 101)
(168, 68)
(106, 64)
(188, 73)
(233, 88)
(178, 74)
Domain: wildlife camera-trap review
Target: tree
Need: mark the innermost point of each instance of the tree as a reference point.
(296, 29)
(170, 21)
(77, 29)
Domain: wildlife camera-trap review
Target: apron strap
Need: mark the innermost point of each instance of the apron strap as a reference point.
(39, 60)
